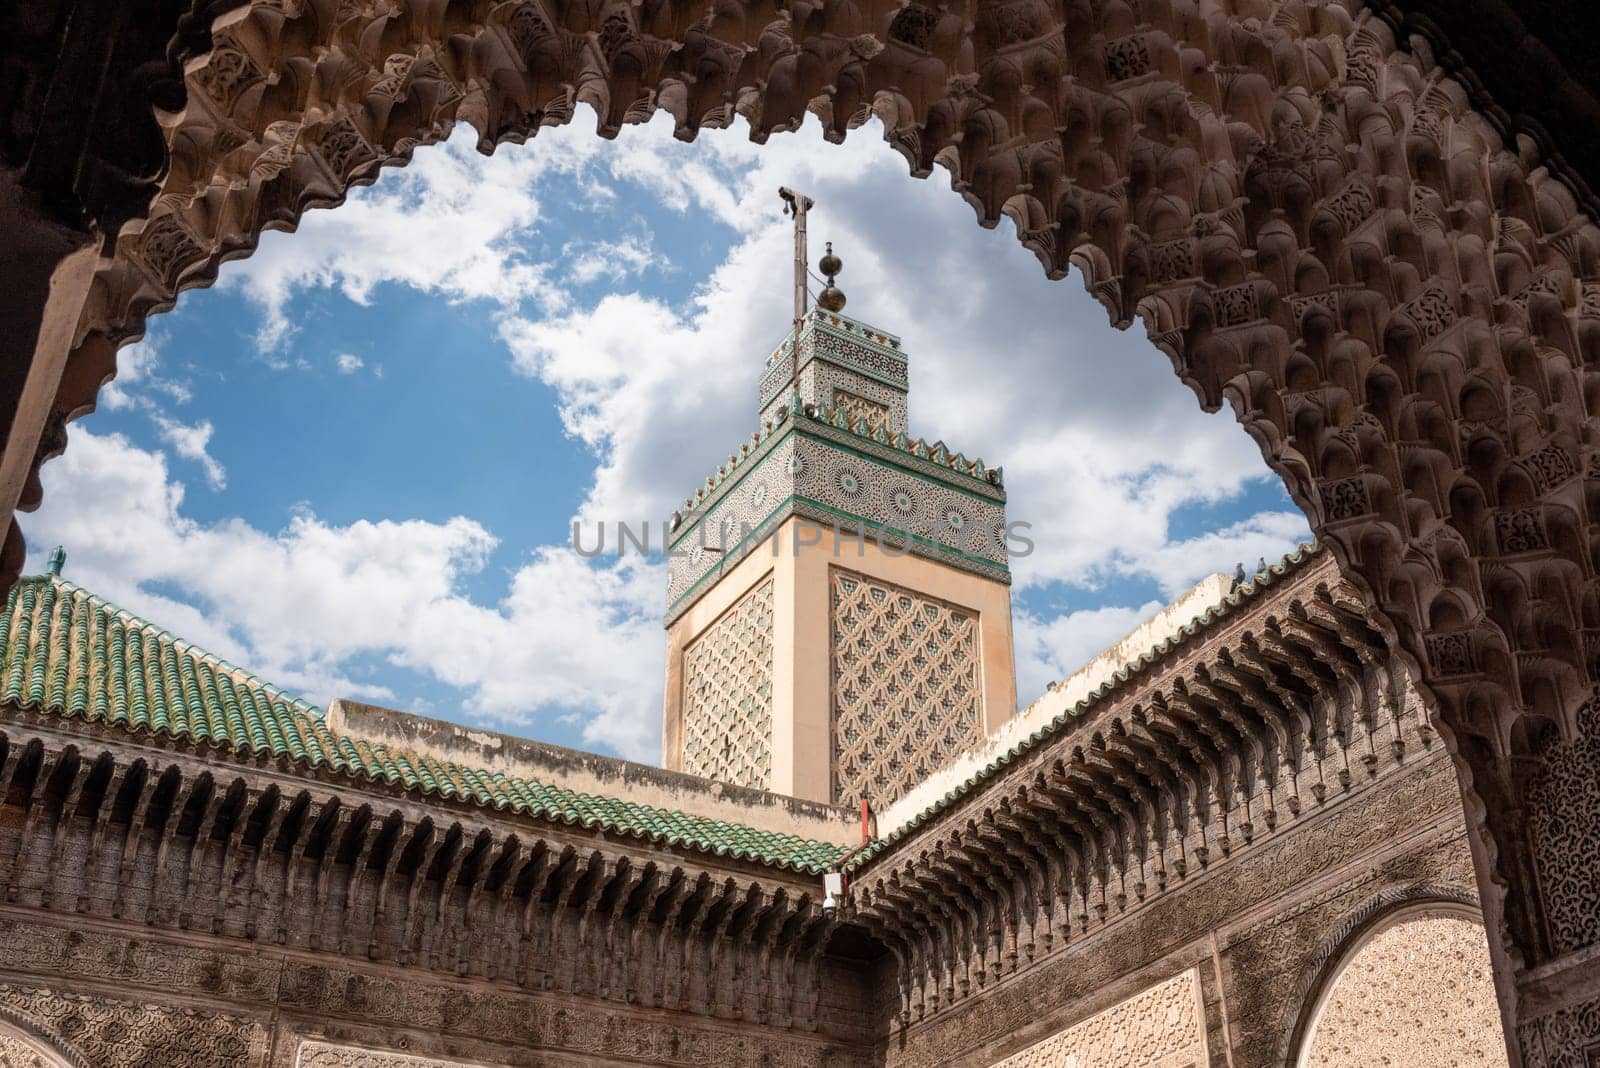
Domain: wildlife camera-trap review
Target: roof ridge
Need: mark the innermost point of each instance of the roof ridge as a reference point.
(256, 717)
(181, 643)
(1264, 579)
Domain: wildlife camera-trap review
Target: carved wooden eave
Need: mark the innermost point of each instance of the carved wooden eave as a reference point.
(190, 840)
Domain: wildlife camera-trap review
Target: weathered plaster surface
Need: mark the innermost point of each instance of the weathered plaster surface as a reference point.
(1162, 1027)
(594, 774)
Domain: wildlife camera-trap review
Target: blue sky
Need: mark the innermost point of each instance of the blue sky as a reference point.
(354, 464)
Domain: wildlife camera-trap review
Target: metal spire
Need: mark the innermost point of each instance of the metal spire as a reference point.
(797, 205)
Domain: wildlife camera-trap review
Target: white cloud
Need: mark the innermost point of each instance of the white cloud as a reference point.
(452, 223)
(137, 378)
(193, 443)
(614, 261)
(300, 604)
(1048, 649)
(134, 364)
(348, 363)
(1102, 446)
(1176, 565)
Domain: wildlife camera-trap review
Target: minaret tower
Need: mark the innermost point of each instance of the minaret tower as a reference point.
(838, 606)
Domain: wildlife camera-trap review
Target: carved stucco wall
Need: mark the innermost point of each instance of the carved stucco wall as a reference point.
(112, 1033)
(906, 687)
(727, 695)
(18, 1052)
(327, 1055)
(1562, 798)
(1159, 1028)
(858, 408)
(1417, 994)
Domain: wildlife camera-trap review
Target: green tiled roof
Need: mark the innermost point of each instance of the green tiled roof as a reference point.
(67, 652)
(1243, 594)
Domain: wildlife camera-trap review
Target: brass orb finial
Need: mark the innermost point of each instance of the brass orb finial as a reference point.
(832, 297)
(831, 264)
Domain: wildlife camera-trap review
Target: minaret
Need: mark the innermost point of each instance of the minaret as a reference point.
(838, 602)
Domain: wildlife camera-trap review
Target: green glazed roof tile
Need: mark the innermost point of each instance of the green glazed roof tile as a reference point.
(67, 652)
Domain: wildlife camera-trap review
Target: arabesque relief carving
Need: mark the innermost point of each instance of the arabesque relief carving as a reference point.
(112, 1033)
(1313, 224)
(328, 1055)
(1419, 993)
(1158, 1028)
(1310, 217)
(18, 1053)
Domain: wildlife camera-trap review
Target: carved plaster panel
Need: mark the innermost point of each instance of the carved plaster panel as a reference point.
(1159, 1028)
(727, 695)
(1419, 993)
(1569, 1038)
(1562, 798)
(326, 1055)
(906, 687)
(18, 1052)
(111, 1033)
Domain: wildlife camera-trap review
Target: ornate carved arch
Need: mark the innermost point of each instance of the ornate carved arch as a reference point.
(21, 1033)
(1317, 226)
(1389, 906)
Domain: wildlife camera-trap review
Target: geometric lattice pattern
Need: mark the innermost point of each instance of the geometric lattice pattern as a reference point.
(1159, 1028)
(860, 408)
(727, 695)
(1419, 994)
(905, 688)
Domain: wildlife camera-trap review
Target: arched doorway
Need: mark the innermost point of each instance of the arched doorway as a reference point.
(1415, 990)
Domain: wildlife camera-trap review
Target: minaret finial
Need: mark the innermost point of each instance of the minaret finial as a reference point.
(58, 560)
(797, 205)
(831, 298)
